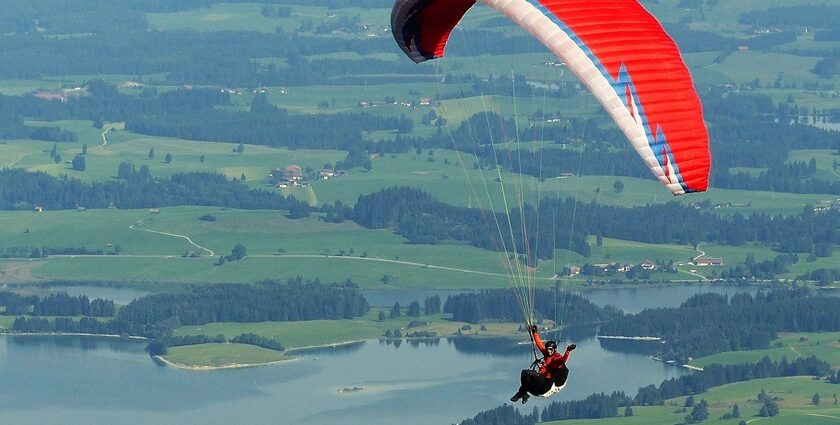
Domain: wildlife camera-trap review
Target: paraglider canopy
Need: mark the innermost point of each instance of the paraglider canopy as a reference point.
(617, 49)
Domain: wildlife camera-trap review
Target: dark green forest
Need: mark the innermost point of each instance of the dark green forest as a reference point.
(133, 188)
(703, 325)
(60, 304)
(414, 214)
(155, 316)
(502, 305)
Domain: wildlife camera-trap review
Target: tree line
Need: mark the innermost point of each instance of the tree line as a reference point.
(266, 301)
(46, 251)
(230, 57)
(599, 406)
(160, 346)
(191, 114)
(415, 215)
(133, 189)
(155, 316)
(742, 127)
(60, 304)
(744, 131)
(502, 304)
(711, 323)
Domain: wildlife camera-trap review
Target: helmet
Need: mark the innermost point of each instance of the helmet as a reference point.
(551, 344)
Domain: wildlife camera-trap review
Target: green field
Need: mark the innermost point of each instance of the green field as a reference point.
(296, 335)
(825, 345)
(151, 246)
(329, 332)
(248, 17)
(825, 160)
(6, 321)
(793, 395)
(102, 159)
(222, 355)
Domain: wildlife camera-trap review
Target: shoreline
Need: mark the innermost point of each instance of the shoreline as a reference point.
(197, 368)
(632, 338)
(9, 333)
(329, 345)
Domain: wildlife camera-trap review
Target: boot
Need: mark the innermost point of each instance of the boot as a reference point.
(516, 397)
(525, 398)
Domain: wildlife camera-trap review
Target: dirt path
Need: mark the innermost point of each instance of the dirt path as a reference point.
(105, 130)
(701, 254)
(187, 238)
(385, 260)
(210, 253)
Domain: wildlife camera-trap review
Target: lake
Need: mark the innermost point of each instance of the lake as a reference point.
(95, 380)
(67, 379)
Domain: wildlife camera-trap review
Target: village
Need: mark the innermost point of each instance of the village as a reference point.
(636, 270)
(297, 176)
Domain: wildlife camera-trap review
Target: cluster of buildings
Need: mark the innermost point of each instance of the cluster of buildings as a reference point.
(827, 205)
(424, 101)
(61, 95)
(647, 265)
(294, 176)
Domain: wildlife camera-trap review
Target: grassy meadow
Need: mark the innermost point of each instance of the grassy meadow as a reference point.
(248, 17)
(793, 396)
(103, 159)
(152, 247)
(222, 355)
(825, 345)
(295, 335)
(447, 175)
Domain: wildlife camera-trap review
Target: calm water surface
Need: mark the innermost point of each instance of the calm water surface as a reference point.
(88, 380)
(52, 380)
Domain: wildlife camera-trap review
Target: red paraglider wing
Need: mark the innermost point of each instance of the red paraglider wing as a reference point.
(422, 27)
(618, 50)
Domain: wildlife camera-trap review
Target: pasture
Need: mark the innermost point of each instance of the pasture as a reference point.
(222, 355)
(248, 17)
(104, 155)
(825, 345)
(151, 246)
(295, 335)
(825, 159)
(792, 394)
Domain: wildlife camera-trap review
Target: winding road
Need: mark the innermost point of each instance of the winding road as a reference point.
(187, 238)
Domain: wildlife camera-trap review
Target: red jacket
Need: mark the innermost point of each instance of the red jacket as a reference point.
(550, 363)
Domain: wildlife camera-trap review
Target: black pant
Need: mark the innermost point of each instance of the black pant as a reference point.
(536, 384)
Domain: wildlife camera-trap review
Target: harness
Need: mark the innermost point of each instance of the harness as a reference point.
(537, 363)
